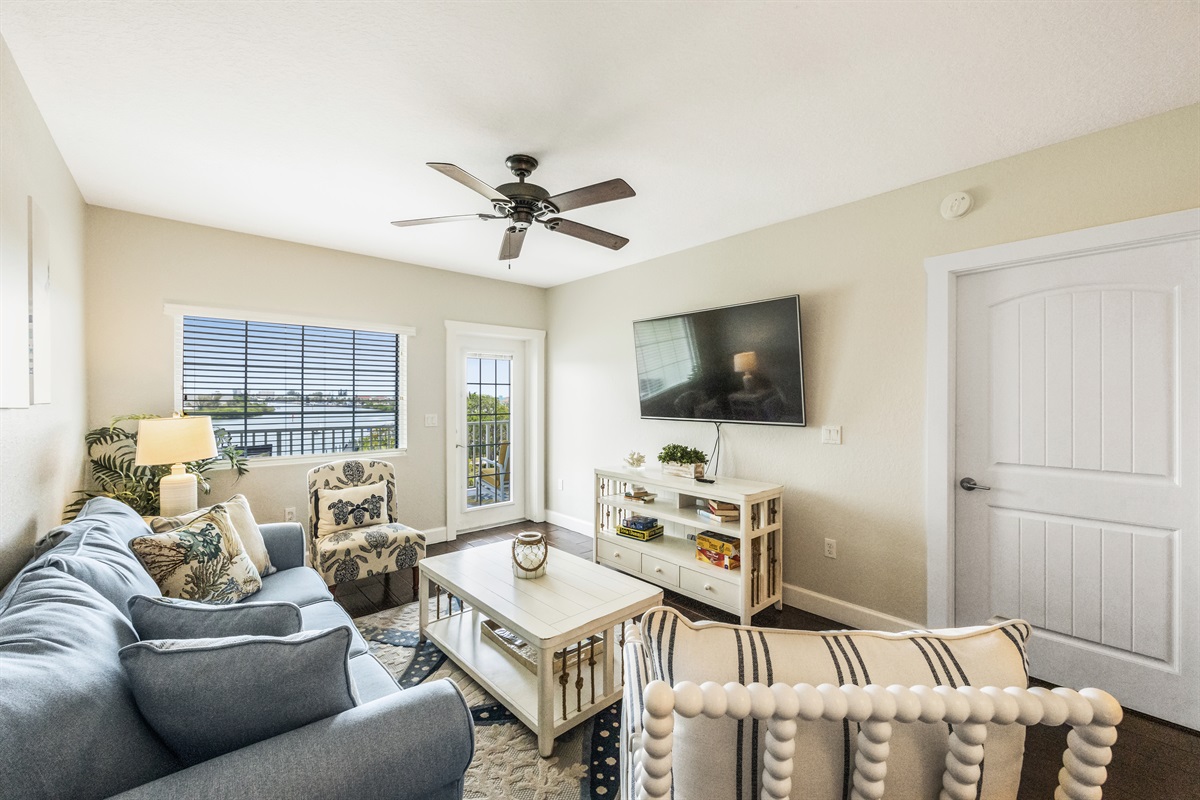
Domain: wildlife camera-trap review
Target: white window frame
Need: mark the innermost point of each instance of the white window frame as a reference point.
(178, 311)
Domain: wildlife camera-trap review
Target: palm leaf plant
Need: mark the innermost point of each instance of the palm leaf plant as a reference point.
(111, 453)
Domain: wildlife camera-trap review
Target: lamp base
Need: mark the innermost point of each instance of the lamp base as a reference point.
(177, 492)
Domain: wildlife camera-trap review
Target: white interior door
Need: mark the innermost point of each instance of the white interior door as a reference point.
(490, 442)
(1077, 403)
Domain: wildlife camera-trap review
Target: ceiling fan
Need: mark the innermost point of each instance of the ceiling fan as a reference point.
(526, 203)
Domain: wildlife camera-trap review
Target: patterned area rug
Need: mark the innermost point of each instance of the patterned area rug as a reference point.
(506, 764)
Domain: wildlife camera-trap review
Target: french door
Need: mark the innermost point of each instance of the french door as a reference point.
(490, 432)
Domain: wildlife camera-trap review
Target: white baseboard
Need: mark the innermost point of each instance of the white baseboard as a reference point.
(570, 523)
(435, 535)
(847, 613)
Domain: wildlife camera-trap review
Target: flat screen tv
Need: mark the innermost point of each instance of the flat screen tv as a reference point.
(737, 363)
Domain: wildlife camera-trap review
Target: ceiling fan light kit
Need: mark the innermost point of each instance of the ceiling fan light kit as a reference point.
(523, 204)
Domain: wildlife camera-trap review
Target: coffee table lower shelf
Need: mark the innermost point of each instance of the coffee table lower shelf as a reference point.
(460, 637)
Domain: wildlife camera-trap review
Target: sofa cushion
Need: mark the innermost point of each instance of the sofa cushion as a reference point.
(322, 616)
(271, 685)
(170, 618)
(243, 522)
(352, 507)
(712, 756)
(299, 585)
(204, 560)
(371, 679)
(69, 726)
(93, 548)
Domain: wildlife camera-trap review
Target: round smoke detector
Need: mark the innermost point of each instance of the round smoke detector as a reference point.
(956, 205)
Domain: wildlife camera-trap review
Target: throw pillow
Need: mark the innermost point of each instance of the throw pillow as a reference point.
(170, 618)
(204, 560)
(339, 509)
(243, 522)
(272, 685)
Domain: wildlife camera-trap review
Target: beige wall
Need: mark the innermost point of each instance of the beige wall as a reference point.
(41, 447)
(137, 263)
(859, 272)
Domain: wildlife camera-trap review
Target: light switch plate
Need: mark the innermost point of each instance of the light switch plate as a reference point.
(431, 420)
(831, 434)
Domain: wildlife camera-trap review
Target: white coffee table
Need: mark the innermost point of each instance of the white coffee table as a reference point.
(573, 601)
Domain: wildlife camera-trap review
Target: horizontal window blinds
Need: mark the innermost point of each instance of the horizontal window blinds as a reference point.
(279, 389)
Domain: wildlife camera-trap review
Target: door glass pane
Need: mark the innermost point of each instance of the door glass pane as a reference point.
(489, 449)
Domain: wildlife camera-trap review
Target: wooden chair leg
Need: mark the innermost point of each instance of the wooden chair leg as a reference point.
(414, 581)
(387, 582)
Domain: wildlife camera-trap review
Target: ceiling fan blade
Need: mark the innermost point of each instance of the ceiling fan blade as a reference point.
(510, 247)
(616, 189)
(470, 181)
(404, 223)
(586, 232)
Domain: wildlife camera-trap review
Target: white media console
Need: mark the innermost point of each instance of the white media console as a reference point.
(670, 560)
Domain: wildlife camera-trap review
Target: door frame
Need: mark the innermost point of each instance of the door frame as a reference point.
(534, 387)
(941, 313)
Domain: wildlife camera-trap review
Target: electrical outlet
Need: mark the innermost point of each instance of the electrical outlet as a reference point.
(831, 548)
(431, 420)
(289, 514)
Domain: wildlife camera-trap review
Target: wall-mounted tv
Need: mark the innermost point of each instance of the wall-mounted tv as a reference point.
(737, 363)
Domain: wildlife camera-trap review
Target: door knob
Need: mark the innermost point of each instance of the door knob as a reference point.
(970, 485)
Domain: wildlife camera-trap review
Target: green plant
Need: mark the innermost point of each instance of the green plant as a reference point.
(111, 452)
(680, 454)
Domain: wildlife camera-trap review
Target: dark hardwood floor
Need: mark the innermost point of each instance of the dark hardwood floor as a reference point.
(1152, 760)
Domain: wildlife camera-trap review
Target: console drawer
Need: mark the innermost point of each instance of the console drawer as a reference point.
(659, 570)
(619, 556)
(708, 588)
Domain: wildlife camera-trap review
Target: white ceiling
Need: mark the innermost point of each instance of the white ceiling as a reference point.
(312, 121)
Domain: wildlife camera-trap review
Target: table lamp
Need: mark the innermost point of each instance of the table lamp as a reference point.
(746, 363)
(174, 440)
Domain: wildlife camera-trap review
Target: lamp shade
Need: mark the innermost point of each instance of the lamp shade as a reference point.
(745, 362)
(174, 440)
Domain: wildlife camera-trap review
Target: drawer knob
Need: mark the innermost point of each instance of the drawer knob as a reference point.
(708, 587)
(658, 569)
(616, 554)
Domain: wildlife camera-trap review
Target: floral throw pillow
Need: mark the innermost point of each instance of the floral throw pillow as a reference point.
(203, 560)
(339, 509)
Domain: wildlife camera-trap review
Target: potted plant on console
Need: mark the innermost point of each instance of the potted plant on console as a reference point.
(683, 461)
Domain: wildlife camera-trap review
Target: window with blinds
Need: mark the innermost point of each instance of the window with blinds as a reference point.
(666, 354)
(283, 390)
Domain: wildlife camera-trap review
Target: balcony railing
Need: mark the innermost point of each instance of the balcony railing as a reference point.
(263, 442)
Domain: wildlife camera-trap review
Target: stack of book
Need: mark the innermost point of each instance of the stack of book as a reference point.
(716, 511)
(719, 550)
(639, 494)
(641, 528)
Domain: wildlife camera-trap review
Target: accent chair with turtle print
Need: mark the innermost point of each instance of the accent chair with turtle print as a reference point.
(354, 525)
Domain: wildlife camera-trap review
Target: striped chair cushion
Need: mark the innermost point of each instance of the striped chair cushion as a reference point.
(722, 758)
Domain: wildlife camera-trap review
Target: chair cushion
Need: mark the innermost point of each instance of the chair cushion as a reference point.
(713, 756)
(69, 726)
(322, 616)
(352, 507)
(271, 685)
(170, 618)
(94, 549)
(204, 560)
(361, 552)
(243, 522)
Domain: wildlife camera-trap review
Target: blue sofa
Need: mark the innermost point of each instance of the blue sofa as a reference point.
(69, 726)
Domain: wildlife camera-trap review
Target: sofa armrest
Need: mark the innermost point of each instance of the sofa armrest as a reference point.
(286, 544)
(413, 744)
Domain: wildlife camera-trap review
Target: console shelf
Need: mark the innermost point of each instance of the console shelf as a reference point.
(670, 560)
